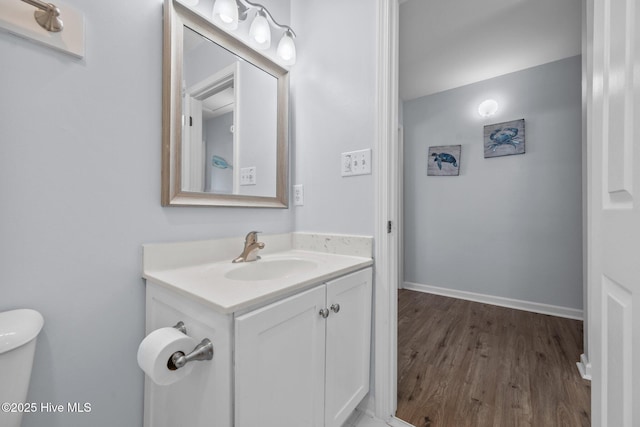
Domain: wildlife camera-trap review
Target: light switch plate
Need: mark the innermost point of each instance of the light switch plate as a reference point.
(356, 162)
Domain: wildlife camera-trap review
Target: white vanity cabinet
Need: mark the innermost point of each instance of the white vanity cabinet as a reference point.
(291, 333)
(303, 361)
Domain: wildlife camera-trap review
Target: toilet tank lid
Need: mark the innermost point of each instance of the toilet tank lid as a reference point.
(18, 327)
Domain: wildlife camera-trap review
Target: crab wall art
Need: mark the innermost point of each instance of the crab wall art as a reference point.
(504, 139)
(444, 160)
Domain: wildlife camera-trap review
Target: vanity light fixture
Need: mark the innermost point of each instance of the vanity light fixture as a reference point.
(260, 31)
(287, 48)
(488, 108)
(227, 14)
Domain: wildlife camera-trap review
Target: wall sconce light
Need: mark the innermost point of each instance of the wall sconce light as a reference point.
(488, 108)
(227, 14)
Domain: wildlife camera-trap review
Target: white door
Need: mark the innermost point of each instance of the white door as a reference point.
(348, 345)
(280, 354)
(613, 123)
(193, 153)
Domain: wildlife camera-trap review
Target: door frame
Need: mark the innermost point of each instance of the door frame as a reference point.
(386, 209)
(584, 365)
(387, 188)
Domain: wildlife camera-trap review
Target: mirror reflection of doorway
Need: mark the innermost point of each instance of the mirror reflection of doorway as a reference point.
(209, 144)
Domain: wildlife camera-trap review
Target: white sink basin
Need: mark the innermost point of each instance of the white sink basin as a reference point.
(270, 269)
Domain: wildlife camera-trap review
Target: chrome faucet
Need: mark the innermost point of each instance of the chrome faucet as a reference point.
(251, 248)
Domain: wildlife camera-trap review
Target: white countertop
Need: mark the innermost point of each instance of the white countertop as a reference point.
(206, 282)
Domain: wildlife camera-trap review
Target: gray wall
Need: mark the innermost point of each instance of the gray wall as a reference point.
(219, 142)
(508, 226)
(80, 180)
(257, 133)
(334, 86)
(202, 61)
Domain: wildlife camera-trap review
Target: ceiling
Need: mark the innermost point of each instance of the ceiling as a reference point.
(446, 44)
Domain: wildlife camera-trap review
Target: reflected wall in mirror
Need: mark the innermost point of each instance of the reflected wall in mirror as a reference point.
(225, 118)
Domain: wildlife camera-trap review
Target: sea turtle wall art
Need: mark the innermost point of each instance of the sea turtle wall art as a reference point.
(444, 160)
(504, 139)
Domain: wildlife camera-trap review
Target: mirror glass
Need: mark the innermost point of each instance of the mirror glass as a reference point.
(227, 107)
(229, 135)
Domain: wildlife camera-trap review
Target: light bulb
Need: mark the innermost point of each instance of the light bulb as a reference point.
(287, 49)
(488, 108)
(225, 13)
(260, 31)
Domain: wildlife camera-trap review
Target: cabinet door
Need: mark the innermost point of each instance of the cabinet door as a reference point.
(280, 363)
(348, 345)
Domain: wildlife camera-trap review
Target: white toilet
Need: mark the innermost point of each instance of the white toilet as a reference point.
(18, 332)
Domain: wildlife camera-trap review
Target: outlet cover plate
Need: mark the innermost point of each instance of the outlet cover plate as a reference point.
(248, 176)
(298, 195)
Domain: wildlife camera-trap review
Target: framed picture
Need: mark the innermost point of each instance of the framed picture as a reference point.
(504, 139)
(444, 160)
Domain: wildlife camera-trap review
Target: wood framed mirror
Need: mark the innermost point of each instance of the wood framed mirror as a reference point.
(225, 110)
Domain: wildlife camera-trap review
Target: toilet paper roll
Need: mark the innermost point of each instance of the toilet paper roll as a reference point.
(157, 348)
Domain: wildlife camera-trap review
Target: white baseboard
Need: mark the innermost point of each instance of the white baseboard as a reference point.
(364, 420)
(364, 416)
(397, 422)
(536, 307)
(584, 367)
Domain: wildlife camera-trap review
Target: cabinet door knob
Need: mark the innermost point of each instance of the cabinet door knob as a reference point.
(324, 313)
(335, 307)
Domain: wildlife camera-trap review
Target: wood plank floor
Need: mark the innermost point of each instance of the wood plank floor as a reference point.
(463, 363)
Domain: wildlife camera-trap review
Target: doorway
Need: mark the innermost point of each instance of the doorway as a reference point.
(452, 229)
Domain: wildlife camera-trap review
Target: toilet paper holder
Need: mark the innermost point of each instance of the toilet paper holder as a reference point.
(203, 351)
